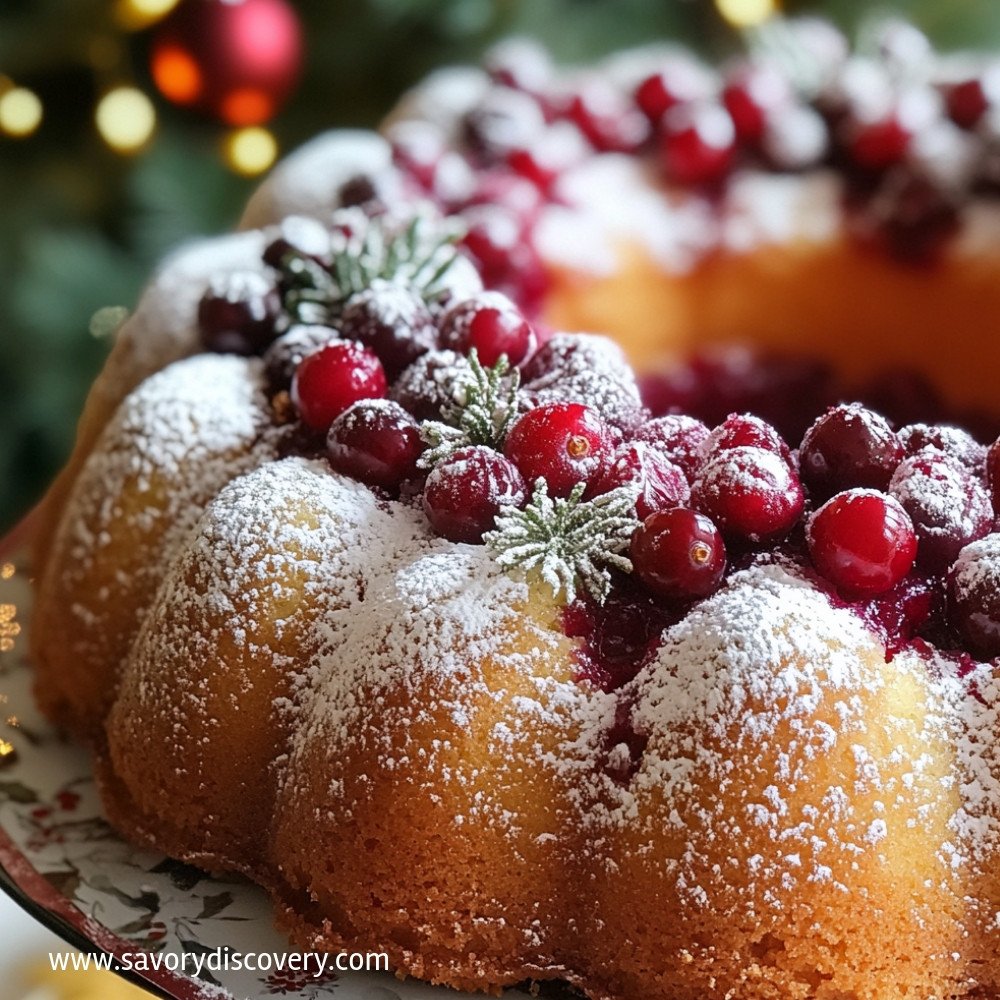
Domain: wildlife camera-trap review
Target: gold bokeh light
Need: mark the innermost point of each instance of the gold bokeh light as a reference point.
(20, 112)
(126, 119)
(250, 151)
(747, 13)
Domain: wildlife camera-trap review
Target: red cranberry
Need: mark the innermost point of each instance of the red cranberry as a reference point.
(521, 63)
(605, 117)
(377, 442)
(970, 100)
(661, 483)
(393, 321)
(238, 313)
(417, 150)
(975, 596)
(948, 506)
(427, 387)
(559, 148)
(465, 493)
(880, 144)
(679, 554)
(286, 353)
(679, 437)
(505, 119)
(300, 235)
(744, 430)
(957, 444)
(562, 443)
(699, 144)
(849, 446)
(680, 82)
(749, 493)
(993, 474)
(491, 325)
(753, 95)
(862, 541)
(328, 381)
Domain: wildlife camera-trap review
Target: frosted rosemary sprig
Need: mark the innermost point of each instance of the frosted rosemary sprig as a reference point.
(315, 292)
(484, 407)
(573, 543)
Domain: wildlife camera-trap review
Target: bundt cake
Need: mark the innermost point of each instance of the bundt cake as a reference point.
(367, 581)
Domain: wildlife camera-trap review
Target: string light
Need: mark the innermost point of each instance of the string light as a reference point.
(135, 15)
(747, 13)
(20, 112)
(250, 151)
(125, 118)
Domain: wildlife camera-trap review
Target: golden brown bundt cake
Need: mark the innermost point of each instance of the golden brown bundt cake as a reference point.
(367, 581)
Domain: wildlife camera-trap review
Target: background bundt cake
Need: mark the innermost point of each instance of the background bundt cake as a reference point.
(663, 706)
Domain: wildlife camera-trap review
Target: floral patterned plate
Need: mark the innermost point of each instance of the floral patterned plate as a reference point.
(64, 864)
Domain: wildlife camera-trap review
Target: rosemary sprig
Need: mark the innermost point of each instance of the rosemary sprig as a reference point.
(573, 543)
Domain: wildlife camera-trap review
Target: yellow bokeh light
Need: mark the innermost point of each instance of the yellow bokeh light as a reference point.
(20, 112)
(125, 118)
(250, 151)
(134, 15)
(747, 13)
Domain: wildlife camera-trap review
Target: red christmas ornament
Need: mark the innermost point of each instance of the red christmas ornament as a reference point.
(237, 60)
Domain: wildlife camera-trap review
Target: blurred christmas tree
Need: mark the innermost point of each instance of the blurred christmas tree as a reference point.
(89, 208)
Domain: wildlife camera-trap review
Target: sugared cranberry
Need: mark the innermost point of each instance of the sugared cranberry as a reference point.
(377, 442)
(607, 119)
(505, 119)
(491, 325)
(954, 442)
(993, 474)
(392, 320)
(662, 484)
(913, 216)
(679, 554)
(880, 144)
(698, 144)
(679, 437)
(521, 63)
(417, 150)
(744, 430)
(300, 235)
(796, 139)
(465, 493)
(427, 387)
(975, 595)
(849, 446)
(562, 443)
(753, 95)
(948, 506)
(749, 493)
(238, 313)
(328, 381)
(286, 353)
(862, 541)
(679, 82)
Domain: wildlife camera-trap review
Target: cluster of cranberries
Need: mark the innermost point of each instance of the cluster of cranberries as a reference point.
(909, 138)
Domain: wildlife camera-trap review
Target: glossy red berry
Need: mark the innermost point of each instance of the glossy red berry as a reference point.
(465, 492)
(328, 381)
(975, 596)
(285, 354)
(880, 144)
(392, 320)
(661, 484)
(562, 443)
(753, 95)
(749, 493)
(970, 100)
(744, 430)
(862, 541)
(679, 437)
(679, 554)
(491, 325)
(238, 313)
(377, 442)
(948, 505)
(698, 144)
(849, 446)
